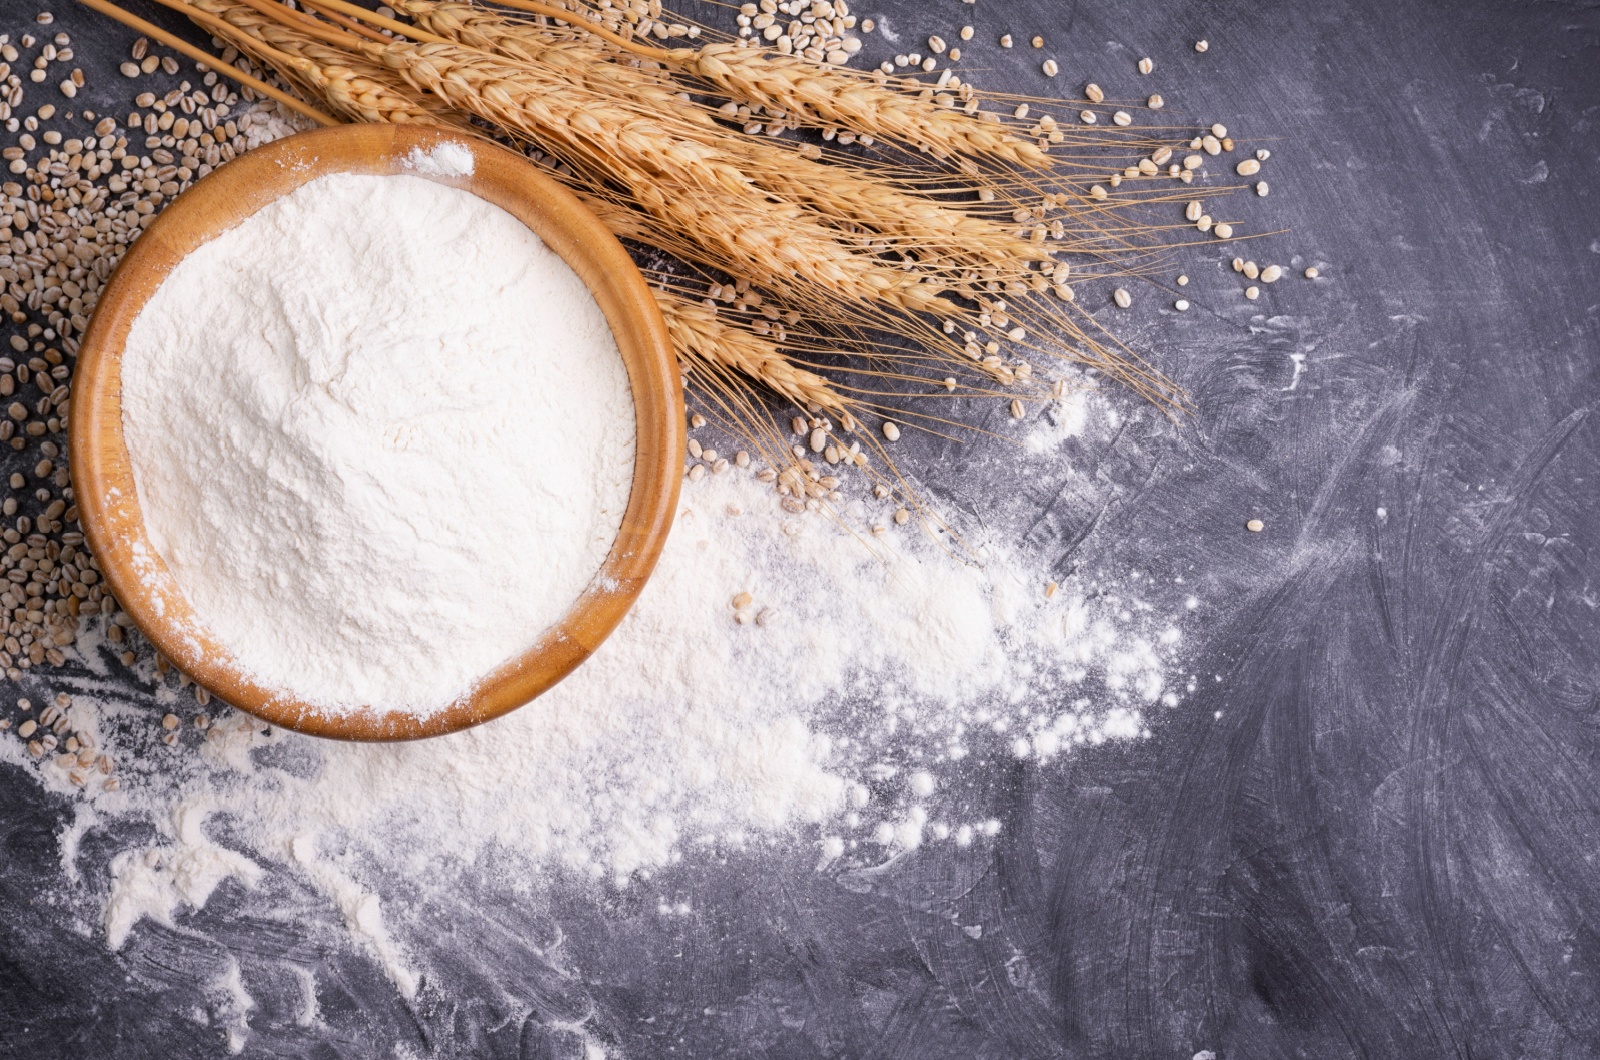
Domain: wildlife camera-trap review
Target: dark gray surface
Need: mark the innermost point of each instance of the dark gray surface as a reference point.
(1386, 846)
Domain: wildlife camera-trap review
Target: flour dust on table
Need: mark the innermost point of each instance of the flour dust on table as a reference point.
(780, 681)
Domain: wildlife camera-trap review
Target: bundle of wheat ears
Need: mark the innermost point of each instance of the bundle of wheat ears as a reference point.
(854, 243)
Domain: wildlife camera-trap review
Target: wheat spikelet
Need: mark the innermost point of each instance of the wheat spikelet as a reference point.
(825, 96)
(696, 328)
(360, 90)
(816, 94)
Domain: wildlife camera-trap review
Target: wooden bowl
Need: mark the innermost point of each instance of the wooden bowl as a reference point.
(108, 503)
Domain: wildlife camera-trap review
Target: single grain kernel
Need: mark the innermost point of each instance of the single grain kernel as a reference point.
(1247, 168)
(1255, 526)
(891, 430)
(1155, 102)
(1270, 274)
(1093, 92)
(1122, 297)
(1252, 293)
(1201, 45)
(1312, 272)
(1181, 305)
(1223, 231)
(1050, 68)
(1145, 66)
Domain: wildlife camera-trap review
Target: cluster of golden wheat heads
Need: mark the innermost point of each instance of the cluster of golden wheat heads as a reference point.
(937, 256)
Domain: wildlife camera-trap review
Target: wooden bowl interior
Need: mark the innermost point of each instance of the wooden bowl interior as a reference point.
(108, 501)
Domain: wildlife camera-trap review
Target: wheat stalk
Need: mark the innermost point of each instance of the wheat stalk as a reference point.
(697, 329)
(844, 243)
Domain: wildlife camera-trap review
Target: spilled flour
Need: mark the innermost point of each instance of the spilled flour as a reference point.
(882, 673)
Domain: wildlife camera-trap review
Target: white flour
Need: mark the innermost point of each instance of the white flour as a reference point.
(382, 436)
(884, 681)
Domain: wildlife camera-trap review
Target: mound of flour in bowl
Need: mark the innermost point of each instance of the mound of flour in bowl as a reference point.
(382, 436)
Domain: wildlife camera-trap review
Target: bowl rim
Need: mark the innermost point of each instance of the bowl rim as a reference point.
(108, 502)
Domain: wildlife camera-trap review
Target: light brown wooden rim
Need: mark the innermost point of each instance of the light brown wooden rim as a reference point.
(108, 503)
